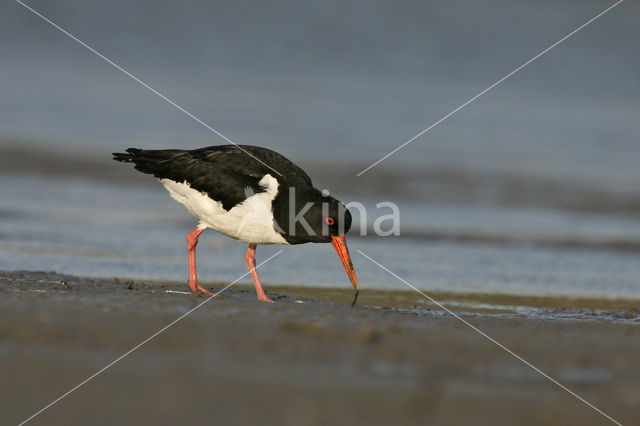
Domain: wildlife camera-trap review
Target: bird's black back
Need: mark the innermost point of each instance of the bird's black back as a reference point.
(224, 172)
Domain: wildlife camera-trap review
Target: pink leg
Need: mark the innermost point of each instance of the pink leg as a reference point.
(192, 241)
(250, 260)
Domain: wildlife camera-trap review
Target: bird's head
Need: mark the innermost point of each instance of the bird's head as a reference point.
(313, 216)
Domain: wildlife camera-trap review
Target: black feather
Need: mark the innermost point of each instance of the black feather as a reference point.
(224, 172)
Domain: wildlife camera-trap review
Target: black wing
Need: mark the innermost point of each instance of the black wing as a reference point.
(224, 172)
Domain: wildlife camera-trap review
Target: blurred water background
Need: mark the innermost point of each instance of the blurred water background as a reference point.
(532, 189)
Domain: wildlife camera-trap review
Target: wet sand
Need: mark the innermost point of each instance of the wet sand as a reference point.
(309, 358)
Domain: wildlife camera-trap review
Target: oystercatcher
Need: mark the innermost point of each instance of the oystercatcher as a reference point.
(249, 193)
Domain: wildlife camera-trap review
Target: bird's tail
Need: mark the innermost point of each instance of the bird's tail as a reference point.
(126, 158)
(152, 161)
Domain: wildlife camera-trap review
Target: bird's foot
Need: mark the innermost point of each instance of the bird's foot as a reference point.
(264, 298)
(198, 289)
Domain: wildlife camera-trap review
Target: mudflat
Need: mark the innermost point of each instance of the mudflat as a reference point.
(309, 358)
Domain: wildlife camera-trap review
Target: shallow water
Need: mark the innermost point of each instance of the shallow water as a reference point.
(102, 229)
(532, 189)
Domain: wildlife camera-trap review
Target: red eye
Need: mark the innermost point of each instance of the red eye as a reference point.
(329, 221)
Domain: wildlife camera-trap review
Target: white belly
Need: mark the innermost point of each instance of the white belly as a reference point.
(250, 221)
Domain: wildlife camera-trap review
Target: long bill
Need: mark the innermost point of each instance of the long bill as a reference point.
(340, 244)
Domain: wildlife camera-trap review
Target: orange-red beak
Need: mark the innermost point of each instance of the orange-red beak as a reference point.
(340, 244)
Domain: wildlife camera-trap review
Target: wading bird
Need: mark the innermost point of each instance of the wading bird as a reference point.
(249, 193)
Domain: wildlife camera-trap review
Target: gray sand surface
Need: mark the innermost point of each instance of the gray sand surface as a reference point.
(238, 361)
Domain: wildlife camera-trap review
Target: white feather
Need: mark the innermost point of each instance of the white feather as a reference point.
(250, 221)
